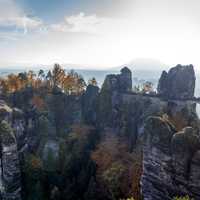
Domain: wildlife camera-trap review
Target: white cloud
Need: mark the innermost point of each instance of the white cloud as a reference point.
(13, 16)
(22, 22)
(83, 23)
(139, 28)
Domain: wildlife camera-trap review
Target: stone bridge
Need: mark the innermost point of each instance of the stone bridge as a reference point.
(163, 98)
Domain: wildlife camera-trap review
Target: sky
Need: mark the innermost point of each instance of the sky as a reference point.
(99, 33)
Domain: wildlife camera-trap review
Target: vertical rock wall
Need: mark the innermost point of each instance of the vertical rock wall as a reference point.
(10, 175)
(171, 153)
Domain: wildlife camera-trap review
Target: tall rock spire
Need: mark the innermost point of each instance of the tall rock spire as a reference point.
(178, 83)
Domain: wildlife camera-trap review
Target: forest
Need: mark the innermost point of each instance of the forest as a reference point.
(72, 142)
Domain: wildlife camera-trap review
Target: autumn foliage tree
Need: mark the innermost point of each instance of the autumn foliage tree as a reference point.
(38, 102)
(118, 170)
(147, 87)
(92, 81)
(182, 198)
(69, 82)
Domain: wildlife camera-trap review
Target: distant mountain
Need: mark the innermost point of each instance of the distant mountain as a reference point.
(146, 64)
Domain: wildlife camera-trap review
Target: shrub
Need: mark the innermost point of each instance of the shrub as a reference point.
(182, 198)
(6, 133)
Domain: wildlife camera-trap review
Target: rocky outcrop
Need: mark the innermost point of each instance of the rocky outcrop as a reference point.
(156, 181)
(178, 83)
(170, 161)
(171, 157)
(110, 97)
(165, 170)
(89, 100)
(125, 79)
(10, 174)
(171, 136)
(171, 148)
(119, 82)
(50, 155)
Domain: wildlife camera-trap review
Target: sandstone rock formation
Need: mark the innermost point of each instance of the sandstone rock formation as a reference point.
(171, 136)
(125, 79)
(172, 141)
(119, 82)
(10, 173)
(178, 83)
(89, 104)
(157, 174)
(169, 128)
(170, 161)
(109, 99)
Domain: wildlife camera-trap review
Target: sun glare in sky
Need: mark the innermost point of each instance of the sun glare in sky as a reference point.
(99, 34)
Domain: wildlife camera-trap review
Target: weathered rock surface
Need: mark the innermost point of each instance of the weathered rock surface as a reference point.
(119, 82)
(125, 79)
(170, 161)
(50, 155)
(171, 137)
(178, 83)
(171, 149)
(172, 142)
(10, 174)
(89, 104)
(156, 179)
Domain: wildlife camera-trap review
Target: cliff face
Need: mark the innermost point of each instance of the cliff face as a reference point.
(171, 161)
(58, 156)
(171, 142)
(169, 129)
(178, 83)
(10, 171)
(157, 174)
(119, 82)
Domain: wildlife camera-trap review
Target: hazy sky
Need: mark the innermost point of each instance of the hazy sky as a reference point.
(99, 33)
